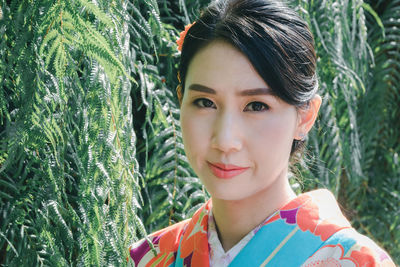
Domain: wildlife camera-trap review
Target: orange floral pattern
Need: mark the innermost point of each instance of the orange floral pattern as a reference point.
(329, 255)
(333, 255)
(194, 239)
(166, 243)
(368, 257)
(316, 214)
(182, 35)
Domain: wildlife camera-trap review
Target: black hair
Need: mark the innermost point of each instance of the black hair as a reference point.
(275, 39)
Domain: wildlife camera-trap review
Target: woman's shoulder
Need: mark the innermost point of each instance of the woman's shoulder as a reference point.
(347, 247)
(342, 244)
(160, 246)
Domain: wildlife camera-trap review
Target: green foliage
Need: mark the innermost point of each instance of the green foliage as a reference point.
(353, 149)
(91, 154)
(69, 176)
(171, 191)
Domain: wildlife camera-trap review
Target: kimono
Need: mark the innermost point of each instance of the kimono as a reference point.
(310, 230)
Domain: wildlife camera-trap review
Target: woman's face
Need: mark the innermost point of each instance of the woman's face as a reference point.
(237, 134)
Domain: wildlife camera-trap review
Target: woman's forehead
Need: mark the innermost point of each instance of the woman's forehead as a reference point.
(220, 64)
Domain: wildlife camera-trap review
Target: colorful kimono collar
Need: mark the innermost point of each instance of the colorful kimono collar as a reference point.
(307, 231)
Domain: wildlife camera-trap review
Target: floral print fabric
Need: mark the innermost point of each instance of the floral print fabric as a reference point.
(309, 231)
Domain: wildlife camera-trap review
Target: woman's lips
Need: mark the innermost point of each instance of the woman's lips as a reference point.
(225, 171)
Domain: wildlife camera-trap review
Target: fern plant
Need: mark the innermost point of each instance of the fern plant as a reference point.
(354, 147)
(171, 191)
(69, 175)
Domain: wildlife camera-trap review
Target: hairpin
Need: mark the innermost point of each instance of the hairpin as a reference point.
(183, 33)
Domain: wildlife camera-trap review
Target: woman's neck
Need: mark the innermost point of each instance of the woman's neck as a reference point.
(236, 218)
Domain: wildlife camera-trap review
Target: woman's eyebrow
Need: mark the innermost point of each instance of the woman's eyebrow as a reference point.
(246, 92)
(202, 88)
(256, 91)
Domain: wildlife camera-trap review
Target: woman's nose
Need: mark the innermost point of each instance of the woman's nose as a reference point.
(227, 134)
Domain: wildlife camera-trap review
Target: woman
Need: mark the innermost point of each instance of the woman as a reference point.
(248, 95)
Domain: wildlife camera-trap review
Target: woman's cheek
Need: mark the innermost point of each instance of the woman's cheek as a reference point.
(283, 137)
(186, 130)
(272, 134)
(194, 137)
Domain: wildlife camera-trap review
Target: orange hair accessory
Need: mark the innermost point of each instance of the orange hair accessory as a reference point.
(183, 33)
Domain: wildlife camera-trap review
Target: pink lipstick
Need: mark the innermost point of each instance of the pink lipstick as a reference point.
(225, 171)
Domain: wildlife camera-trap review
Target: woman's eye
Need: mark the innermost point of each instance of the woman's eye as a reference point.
(204, 103)
(256, 106)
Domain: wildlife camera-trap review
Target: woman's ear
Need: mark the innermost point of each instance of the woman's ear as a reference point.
(307, 117)
(179, 93)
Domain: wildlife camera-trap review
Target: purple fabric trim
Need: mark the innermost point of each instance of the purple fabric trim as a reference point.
(187, 262)
(156, 240)
(289, 215)
(138, 253)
